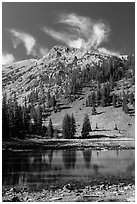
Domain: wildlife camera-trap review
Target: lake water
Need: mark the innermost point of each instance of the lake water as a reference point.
(36, 168)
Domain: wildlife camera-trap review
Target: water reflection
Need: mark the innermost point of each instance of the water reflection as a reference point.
(50, 155)
(87, 157)
(40, 167)
(96, 168)
(69, 158)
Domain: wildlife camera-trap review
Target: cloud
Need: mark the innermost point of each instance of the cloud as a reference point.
(82, 32)
(25, 38)
(7, 58)
(32, 46)
(110, 52)
(59, 36)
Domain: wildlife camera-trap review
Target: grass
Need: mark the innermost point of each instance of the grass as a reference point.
(106, 118)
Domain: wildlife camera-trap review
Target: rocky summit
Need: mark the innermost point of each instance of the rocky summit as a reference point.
(51, 72)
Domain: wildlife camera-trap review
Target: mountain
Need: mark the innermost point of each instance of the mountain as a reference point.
(53, 72)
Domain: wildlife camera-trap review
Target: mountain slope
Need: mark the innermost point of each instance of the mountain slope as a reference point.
(51, 72)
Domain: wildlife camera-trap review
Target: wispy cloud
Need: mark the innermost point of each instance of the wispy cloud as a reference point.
(82, 32)
(7, 58)
(110, 52)
(25, 38)
(32, 46)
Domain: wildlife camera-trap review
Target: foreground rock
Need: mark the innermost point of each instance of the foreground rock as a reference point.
(103, 192)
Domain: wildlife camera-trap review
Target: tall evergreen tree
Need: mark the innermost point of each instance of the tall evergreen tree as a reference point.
(86, 128)
(124, 105)
(50, 129)
(103, 99)
(38, 118)
(131, 98)
(108, 94)
(98, 97)
(69, 126)
(66, 126)
(72, 126)
(53, 101)
(93, 99)
(114, 100)
(26, 119)
(17, 118)
(5, 119)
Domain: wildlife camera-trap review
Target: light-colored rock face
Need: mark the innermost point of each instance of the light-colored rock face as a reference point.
(41, 74)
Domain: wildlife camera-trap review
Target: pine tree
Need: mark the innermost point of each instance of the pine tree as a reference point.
(50, 129)
(114, 100)
(5, 119)
(108, 94)
(86, 128)
(11, 117)
(55, 135)
(111, 80)
(87, 105)
(103, 99)
(49, 99)
(98, 97)
(131, 98)
(26, 119)
(53, 101)
(93, 99)
(19, 123)
(72, 126)
(66, 126)
(17, 120)
(124, 105)
(38, 118)
(94, 112)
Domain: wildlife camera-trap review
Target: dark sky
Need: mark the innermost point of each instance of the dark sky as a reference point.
(29, 18)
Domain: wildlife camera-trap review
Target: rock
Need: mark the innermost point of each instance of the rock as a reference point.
(55, 198)
(70, 186)
(126, 188)
(16, 199)
(131, 199)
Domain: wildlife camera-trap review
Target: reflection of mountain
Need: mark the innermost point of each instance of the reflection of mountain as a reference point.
(87, 157)
(69, 158)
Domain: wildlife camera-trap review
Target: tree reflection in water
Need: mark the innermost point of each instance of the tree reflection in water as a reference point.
(87, 157)
(50, 156)
(14, 168)
(117, 152)
(96, 168)
(69, 158)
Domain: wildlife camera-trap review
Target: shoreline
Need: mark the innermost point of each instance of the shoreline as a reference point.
(100, 144)
(110, 190)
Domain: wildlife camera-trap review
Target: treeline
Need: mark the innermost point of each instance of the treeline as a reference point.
(17, 120)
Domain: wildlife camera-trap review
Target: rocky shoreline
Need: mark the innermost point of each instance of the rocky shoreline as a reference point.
(105, 191)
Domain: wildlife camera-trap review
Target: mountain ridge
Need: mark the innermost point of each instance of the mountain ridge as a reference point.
(53, 71)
